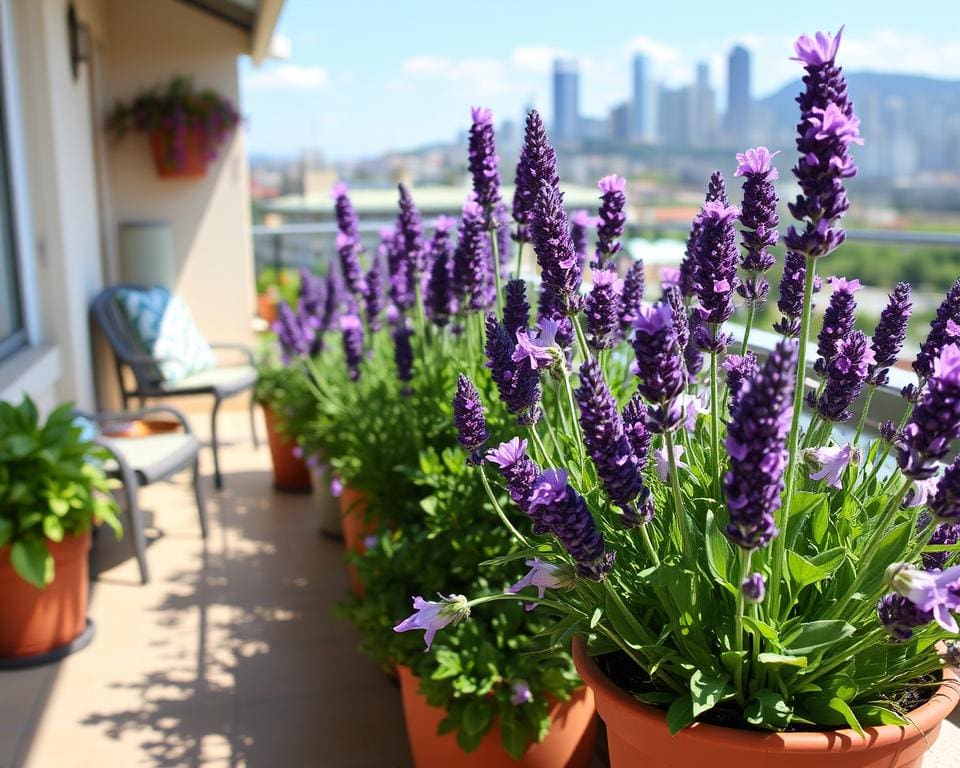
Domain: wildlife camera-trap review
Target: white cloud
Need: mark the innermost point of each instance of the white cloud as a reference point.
(657, 51)
(537, 59)
(287, 77)
(480, 76)
(887, 50)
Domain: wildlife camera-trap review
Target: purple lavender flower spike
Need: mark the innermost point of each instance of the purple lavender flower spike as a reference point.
(827, 127)
(349, 252)
(900, 617)
(606, 440)
(468, 416)
(944, 329)
(935, 423)
(790, 302)
(692, 355)
(681, 324)
(846, 375)
(943, 534)
(433, 616)
(410, 227)
(838, 321)
(659, 366)
(550, 231)
(759, 221)
(483, 163)
(602, 309)
(889, 335)
(294, 338)
(346, 216)
(401, 277)
(542, 576)
(945, 505)
(334, 298)
(635, 428)
(830, 463)
(352, 331)
(740, 369)
(537, 167)
(373, 293)
(439, 299)
(504, 240)
(934, 591)
(516, 308)
(757, 446)
(565, 514)
(631, 298)
(470, 267)
(754, 588)
(580, 223)
(690, 265)
(716, 272)
(403, 356)
(613, 218)
(521, 473)
(518, 385)
(313, 294)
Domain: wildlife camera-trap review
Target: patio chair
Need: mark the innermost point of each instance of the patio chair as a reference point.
(167, 356)
(141, 461)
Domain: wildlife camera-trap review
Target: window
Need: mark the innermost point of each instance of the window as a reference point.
(12, 332)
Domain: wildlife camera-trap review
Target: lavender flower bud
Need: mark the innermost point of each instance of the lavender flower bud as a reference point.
(757, 446)
(520, 471)
(659, 365)
(605, 437)
(758, 220)
(754, 588)
(470, 266)
(846, 375)
(440, 301)
(517, 383)
(516, 308)
(826, 129)
(312, 295)
(334, 297)
(373, 293)
(469, 419)
(565, 514)
(613, 218)
(580, 224)
(293, 337)
(483, 162)
(935, 423)
(717, 269)
(550, 232)
(504, 241)
(602, 309)
(352, 331)
(943, 534)
(838, 321)
(889, 334)
(403, 355)
(889, 431)
(790, 303)
(399, 268)
(900, 617)
(635, 428)
(740, 370)
(690, 265)
(410, 227)
(348, 239)
(632, 296)
(944, 329)
(536, 167)
(347, 221)
(945, 504)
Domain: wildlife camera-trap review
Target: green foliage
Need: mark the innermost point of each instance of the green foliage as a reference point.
(51, 486)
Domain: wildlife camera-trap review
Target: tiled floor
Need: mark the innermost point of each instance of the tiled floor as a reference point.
(230, 656)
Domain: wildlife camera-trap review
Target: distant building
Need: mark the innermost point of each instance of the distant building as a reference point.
(643, 117)
(619, 124)
(737, 121)
(675, 114)
(703, 117)
(566, 100)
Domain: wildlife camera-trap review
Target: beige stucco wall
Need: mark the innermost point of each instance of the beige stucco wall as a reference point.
(149, 41)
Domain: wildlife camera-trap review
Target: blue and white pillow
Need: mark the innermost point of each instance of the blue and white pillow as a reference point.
(165, 329)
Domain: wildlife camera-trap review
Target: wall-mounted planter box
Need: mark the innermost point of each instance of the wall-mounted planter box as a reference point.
(192, 165)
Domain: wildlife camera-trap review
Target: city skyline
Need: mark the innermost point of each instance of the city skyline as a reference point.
(396, 84)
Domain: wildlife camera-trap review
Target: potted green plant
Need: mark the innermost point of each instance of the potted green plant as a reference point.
(185, 126)
(284, 396)
(52, 490)
(745, 587)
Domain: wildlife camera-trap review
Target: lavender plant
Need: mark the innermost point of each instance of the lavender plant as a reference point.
(726, 559)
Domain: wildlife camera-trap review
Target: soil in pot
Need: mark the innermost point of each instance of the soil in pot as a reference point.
(569, 744)
(637, 734)
(290, 474)
(35, 621)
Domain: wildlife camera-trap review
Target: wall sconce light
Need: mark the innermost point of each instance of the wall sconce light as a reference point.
(79, 37)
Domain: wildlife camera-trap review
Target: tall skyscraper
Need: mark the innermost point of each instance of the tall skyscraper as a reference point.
(643, 106)
(703, 109)
(737, 121)
(566, 100)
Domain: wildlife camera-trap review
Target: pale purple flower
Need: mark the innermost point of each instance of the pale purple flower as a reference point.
(669, 278)
(369, 542)
(542, 576)
(541, 350)
(818, 50)
(336, 485)
(754, 588)
(297, 452)
(831, 463)
(921, 492)
(757, 161)
(663, 461)
(934, 591)
(693, 406)
(521, 693)
(432, 616)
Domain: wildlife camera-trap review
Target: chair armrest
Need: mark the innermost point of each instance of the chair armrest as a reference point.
(105, 418)
(243, 349)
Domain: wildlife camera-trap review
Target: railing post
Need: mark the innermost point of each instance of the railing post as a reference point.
(277, 255)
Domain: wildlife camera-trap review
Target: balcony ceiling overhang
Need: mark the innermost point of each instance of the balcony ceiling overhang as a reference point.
(257, 18)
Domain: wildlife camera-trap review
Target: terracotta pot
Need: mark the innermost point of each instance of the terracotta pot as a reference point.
(141, 427)
(267, 307)
(289, 473)
(34, 621)
(328, 506)
(194, 163)
(356, 527)
(637, 735)
(569, 744)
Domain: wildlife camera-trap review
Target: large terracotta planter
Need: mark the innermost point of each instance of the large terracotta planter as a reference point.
(327, 505)
(35, 621)
(193, 165)
(569, 744)
(356, 527)
(637, 735)
(289, 472)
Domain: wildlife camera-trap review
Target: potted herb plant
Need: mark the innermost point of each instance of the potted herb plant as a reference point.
(745, 587)
(185, 126)
(283, 395)
(52, 490)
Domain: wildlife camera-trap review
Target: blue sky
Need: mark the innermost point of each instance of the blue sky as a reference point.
(364, 77)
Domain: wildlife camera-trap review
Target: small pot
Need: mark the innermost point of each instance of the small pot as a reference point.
(194, 163)
(290, 474)
(356, 527)
(267, 307)
(637, 734)
(328, 506)
(569, 744)
(35, 621)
